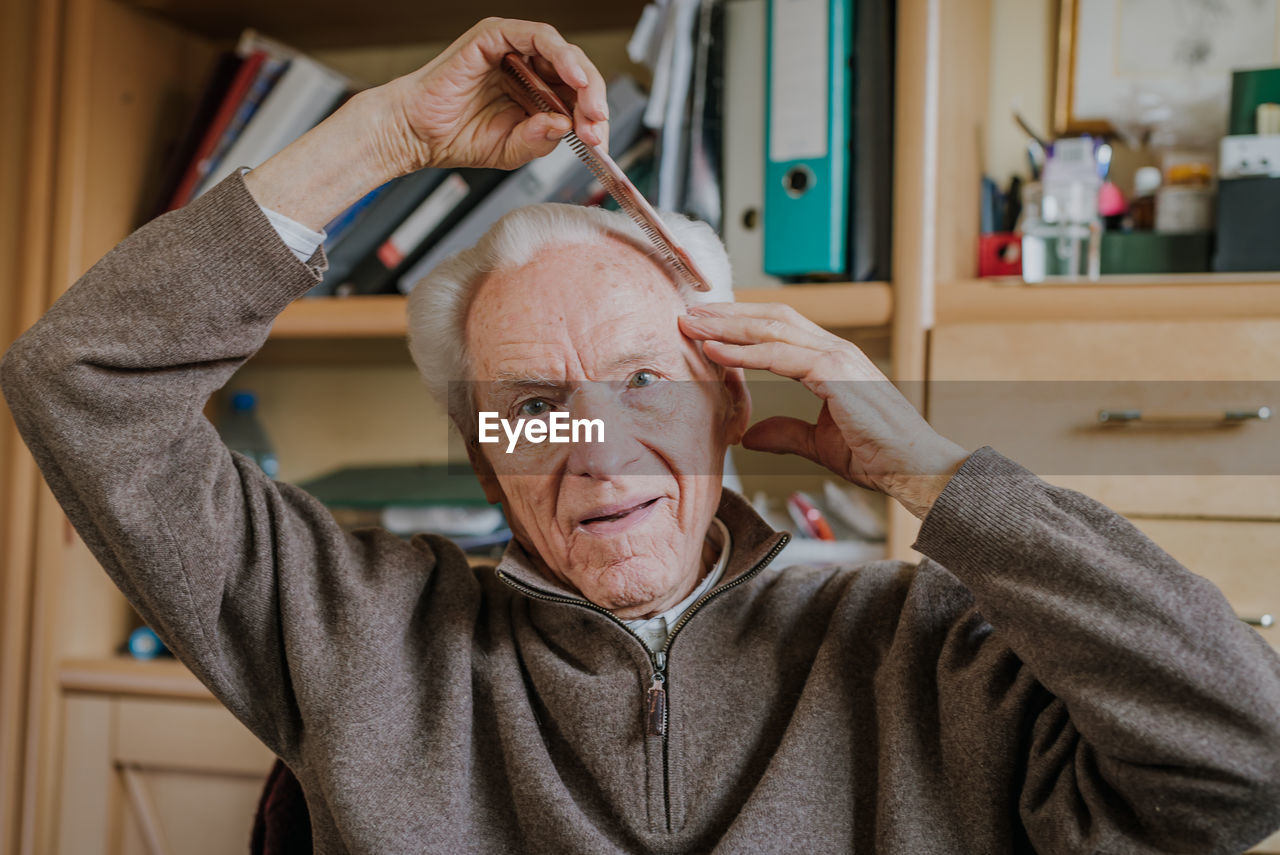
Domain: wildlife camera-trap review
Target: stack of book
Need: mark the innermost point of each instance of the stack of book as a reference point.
(263, 96)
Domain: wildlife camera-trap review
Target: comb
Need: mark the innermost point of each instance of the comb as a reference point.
(535, 96)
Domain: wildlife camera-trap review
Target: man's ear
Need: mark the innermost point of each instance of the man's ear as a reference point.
(738, 417)
(484, 473)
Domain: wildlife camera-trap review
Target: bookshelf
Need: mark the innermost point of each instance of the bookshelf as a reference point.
(834, 305)
(100, 84)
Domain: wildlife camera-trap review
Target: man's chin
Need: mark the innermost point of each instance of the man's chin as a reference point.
(629, 586)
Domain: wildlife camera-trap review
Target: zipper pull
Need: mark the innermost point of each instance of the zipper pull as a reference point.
(656, 702)
(656, 708)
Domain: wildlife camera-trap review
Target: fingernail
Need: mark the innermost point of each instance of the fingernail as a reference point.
(580, 76)
(697, 311)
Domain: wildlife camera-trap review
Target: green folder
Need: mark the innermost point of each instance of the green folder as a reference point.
(413, 485)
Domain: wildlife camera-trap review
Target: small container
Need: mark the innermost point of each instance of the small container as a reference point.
(1066, 239)
(145, 644)
(1146, 183)
(1184, 209)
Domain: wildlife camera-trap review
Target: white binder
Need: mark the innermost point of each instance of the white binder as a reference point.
(743, 155)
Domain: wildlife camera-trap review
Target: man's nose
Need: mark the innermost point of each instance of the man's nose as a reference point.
(621, 452)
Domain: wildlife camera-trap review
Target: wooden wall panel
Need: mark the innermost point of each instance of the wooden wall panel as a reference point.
(123, 80)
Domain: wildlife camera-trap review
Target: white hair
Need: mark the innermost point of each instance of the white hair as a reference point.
(438, 304)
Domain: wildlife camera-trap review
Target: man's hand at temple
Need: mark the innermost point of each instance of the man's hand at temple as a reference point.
(453, 112)
(867, 432)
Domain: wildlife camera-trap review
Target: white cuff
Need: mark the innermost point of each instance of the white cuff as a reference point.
(303, 241)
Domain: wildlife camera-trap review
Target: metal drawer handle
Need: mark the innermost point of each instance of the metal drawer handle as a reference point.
(1183, 417)
(1263, 621)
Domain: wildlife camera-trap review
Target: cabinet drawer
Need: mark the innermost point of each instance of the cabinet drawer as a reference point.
(146, 775)
(1108, 350)
(1034, 391)
(189, 735)
(1241, 558)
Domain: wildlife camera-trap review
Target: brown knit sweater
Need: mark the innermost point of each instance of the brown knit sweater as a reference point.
(1047, 678)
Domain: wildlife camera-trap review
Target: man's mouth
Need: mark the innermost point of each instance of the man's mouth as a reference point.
(611, 518)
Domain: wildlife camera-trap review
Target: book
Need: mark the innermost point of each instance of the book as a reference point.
(183, 152)
(268, 75)
(338, 227)
(247, 76)
(460, 192)
(305, 93)
(373, 224)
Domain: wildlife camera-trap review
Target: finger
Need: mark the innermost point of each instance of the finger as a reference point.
(532, 38)
(764, 311)
(591, 109)
(783, 435)
(534, 137)
(745, 329)
(781, 358)
(593, 133)
(568, 61)
(601, 131)
(548, 73)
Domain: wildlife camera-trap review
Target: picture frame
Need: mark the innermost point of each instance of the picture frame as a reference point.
(1116, 58)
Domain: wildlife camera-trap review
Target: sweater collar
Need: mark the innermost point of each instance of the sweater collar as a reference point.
(751, 541)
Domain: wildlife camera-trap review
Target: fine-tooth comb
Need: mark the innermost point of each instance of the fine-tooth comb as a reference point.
(536, 96)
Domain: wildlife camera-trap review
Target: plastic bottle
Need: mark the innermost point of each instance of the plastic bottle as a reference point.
(242, 432)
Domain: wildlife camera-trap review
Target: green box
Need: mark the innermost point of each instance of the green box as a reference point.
(1248, 90)
(1154, 252)
(1131, 253)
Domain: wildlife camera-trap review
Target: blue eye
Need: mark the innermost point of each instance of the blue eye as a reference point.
(642, 378)
(535, 407)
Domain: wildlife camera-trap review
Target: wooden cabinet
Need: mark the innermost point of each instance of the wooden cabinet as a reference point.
(152, 765)
(1033, 389)
(1205, 483)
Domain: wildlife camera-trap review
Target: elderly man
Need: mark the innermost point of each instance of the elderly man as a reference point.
(635, 676)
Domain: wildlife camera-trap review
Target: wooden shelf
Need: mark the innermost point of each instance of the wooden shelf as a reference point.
(314, 24)
(124, 675)
(834, 305)
(1121, 298)
(379, 316)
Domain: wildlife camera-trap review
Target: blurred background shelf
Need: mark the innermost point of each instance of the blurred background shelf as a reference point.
(1156, 297)
(124, 675)
(833, 305)
(315, 24)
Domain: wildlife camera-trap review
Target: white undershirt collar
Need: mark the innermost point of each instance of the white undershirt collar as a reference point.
(654, 629)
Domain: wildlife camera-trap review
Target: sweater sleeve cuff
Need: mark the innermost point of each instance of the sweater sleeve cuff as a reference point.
(986, 517)
(229, 220)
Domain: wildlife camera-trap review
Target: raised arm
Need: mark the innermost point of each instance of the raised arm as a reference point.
(1146, 717)
(249, 581)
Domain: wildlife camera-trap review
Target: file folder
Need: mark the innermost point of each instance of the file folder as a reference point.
(871, 137)
(742, 155)
(807, 137)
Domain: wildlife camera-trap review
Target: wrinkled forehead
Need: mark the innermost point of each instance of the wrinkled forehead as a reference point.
(581, 311)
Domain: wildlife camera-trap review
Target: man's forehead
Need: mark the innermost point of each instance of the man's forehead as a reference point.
(555, 318)
(557, 357)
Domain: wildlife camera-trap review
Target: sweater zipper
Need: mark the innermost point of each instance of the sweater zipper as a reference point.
(657, 715)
